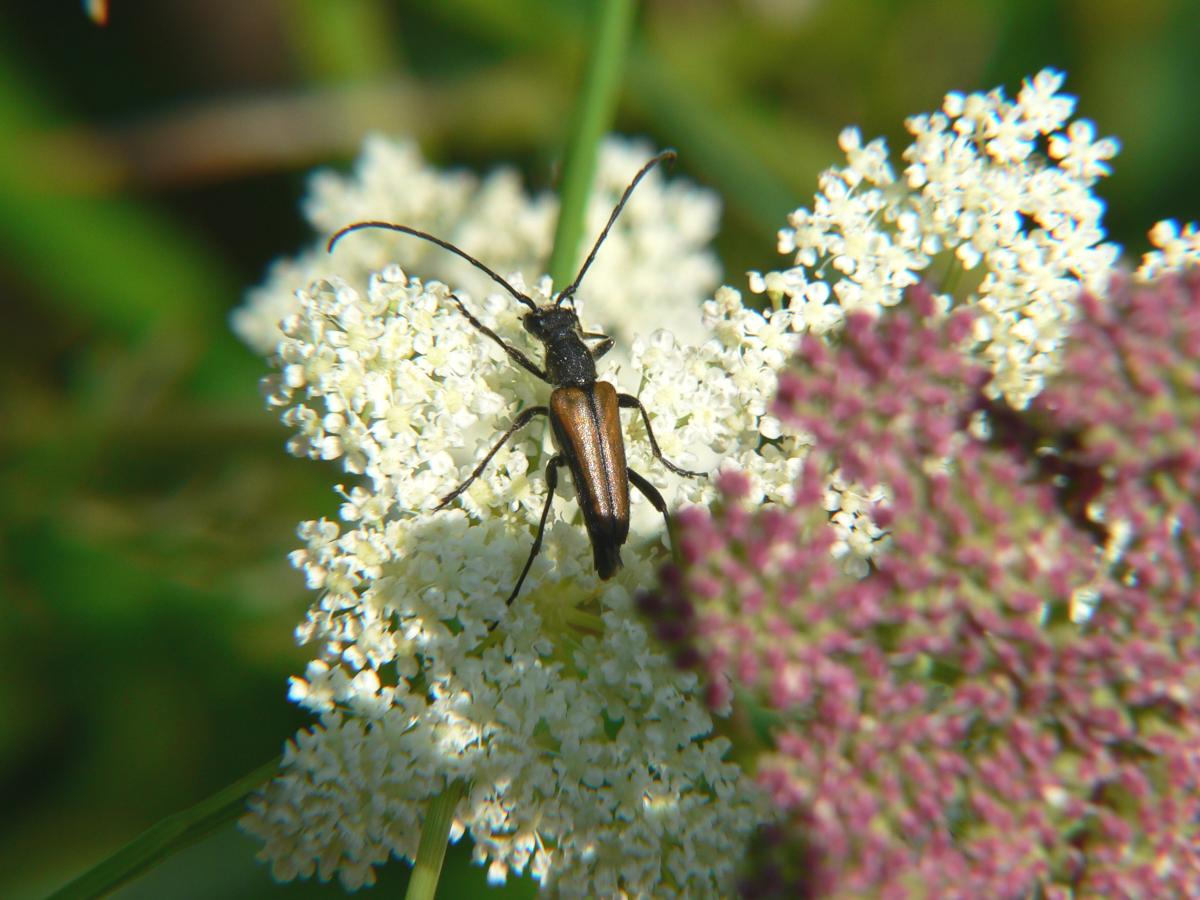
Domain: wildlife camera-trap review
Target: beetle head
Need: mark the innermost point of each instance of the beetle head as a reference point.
(547, 322)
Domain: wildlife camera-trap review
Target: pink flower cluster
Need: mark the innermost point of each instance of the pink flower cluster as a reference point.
(1007, 704)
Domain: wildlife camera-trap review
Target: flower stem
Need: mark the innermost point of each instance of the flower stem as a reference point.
(431, 852)
(168, 836)
(593, 116)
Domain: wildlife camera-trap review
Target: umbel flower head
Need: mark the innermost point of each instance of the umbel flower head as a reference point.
(1007, 705)
(590, 757)
(656, 260)
(995, 192)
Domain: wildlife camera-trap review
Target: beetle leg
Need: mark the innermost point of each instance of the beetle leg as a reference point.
(628, 401)
(551, 484)
(606, 343)
(650, 492)
(521, 421)
(516, 355)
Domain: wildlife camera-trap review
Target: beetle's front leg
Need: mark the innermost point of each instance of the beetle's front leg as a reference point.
(521, 421)
(628, 401)
(514, 354)
(606, 343)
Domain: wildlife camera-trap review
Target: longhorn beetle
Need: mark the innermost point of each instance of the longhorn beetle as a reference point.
(584, 413)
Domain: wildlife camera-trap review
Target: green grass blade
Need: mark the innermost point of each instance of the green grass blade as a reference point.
(593, 117)
(173, 833)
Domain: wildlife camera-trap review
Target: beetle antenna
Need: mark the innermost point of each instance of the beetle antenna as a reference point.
(446, 245)
(569, 291)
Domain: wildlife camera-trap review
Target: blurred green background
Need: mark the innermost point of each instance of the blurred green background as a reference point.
(151, 169)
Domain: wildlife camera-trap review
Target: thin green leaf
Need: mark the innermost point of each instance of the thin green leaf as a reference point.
(173, 833)
(593, 118)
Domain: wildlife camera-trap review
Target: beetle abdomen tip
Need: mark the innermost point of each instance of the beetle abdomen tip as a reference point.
(607, 558)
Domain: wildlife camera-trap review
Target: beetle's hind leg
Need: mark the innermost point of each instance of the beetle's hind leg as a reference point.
(650, 492)
(628, 401)
(551, 483)
(525, 417)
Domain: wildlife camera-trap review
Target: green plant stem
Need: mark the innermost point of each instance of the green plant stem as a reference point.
(593, 117)
(169, 835)
(431, 852)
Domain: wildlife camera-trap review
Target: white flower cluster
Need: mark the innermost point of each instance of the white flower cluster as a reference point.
(656, 260)
(1176, 248)
(590, 757)
(994, 207)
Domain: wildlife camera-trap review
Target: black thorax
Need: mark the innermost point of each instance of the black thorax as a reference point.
(569, 361)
